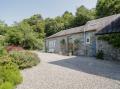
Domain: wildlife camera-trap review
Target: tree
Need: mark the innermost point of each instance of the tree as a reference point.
(50, 26)
(23, 35)
(53, 26)
(60, 23)
(107, 7)
(82, 16)
(3, 27)
(68, 19)
(92, 13)
(38, 25)
(14, 36)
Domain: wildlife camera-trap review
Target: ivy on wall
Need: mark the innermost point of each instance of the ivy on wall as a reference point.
(113, 39)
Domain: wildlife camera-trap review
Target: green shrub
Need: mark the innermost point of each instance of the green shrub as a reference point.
(6, 85)
(3, 52)
(100, 54)
(9, 73)
(24, 59)
(2, 40)
(113, 39)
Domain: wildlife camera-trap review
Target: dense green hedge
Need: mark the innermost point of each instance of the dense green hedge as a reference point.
(113, 39)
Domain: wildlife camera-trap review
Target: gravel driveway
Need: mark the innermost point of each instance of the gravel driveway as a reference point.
(63, 72)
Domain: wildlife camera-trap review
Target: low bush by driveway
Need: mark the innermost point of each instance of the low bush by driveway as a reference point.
(24, 59)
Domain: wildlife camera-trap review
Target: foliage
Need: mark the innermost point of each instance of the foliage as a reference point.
(68, 19)
(107, 7)
(113, 39)
(37, 24)
(23, 35)
(6, 85)
(3, 52)
(59, 23)
(100, 54)
(50, 25)
(31, 39)
(2, 40)
(24, 59)
(14, 36)
(82, 16)
(77, 41)
(63, 42)
(9, 73)
(77, 44)
(53, 26)
(3, 27)
(63, 45)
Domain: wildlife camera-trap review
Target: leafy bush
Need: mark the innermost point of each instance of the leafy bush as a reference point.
(2, 51)
(100, 54)
(23, 35)
(24, 59)
(76, 44)
(9, 73)
(2, 40)
(113, 39)
(6, 85)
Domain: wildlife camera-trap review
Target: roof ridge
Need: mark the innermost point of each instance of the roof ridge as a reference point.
(70, 30)
(103, 17)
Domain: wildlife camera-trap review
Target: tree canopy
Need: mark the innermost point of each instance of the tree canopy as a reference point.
(82, 16)
(29, 33)
(68, 20)
(107, 7)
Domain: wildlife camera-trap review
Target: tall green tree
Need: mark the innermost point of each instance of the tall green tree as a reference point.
(60, 23)
(14, 36)
(23, 35)
(107, 7)
(68, 19)
(82, 16)
(50, 26)
(53, 26)
(38, 25)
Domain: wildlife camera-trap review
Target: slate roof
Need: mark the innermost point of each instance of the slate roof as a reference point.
(112, 27)
(104, 25)
(68, 31)
(101, 23)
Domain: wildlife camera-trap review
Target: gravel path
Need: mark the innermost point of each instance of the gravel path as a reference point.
(63, 72)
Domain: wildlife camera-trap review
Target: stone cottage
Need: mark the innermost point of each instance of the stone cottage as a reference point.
(80, 40)
(112, 29)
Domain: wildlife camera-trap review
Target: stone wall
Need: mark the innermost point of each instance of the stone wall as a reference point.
(84, 49)
(110, 53)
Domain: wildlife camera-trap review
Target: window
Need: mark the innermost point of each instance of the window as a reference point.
(52, 44)
(88, 40)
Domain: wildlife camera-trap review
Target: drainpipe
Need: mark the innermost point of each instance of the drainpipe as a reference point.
(68, 44)
(84, 42)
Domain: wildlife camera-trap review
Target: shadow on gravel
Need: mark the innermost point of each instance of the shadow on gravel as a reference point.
(92, 66)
